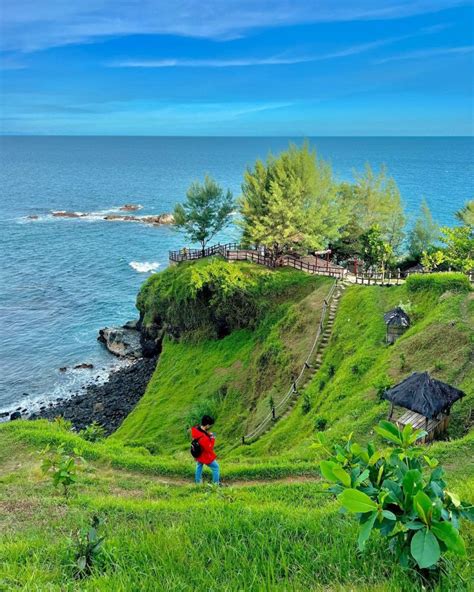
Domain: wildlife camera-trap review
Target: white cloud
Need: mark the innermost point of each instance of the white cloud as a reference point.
(427, 53)
(31, 25)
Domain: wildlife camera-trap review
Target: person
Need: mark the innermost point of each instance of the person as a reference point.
(207, 455)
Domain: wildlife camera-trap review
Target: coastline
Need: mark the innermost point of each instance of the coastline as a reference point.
(108, 403)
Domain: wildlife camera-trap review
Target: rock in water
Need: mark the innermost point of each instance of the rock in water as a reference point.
(130, 207)
(122, 342)
(15, 415)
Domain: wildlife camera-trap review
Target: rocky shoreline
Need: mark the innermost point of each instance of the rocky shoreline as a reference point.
(107, 404)
(110, 402)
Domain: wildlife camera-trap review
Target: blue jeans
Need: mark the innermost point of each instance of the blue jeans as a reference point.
(214, 468)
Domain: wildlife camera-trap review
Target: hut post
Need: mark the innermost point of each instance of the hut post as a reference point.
(390, 415)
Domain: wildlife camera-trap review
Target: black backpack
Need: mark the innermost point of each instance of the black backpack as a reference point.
(196, 448)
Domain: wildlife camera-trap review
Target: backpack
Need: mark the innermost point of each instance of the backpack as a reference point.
(196, 448)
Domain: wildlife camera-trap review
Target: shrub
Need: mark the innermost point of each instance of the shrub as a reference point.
(438, 282)
(64, 425)
(88, 548)
(93, 432)
(61, 466)
(320, 424)
(382, 384)
(306, 406)
(399, 491)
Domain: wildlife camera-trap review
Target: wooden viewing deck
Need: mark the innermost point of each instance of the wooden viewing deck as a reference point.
(234, 252)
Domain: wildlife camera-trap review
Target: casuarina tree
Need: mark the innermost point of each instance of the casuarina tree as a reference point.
(205, 212)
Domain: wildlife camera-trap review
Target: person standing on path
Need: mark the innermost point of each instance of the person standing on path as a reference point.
(202, 449)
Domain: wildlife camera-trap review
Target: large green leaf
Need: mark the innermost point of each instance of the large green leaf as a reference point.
(342, 476)
(412, 482)
(389, 431)
(425, 548)
(423, 506)
(450, 536)
(327, 470)
(365, 530)
(357, 501)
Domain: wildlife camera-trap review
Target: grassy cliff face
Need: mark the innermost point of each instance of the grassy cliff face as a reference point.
(274, 527)
(232, 378)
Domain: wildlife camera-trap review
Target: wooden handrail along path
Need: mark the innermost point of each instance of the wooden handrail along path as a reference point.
(234, 252)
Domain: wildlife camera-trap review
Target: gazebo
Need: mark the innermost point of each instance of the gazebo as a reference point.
(397, 322)
(428, 402)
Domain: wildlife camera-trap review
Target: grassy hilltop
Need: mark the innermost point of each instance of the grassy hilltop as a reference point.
(274, 527)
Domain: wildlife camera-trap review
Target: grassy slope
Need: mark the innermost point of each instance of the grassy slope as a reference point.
(233, 378)
(280, 536)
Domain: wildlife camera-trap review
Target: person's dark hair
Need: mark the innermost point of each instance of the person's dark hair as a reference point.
(207, 420)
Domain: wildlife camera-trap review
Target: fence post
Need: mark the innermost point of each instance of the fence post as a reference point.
(243, 439)
(273, 413)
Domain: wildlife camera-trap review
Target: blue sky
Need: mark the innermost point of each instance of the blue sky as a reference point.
(223, 67)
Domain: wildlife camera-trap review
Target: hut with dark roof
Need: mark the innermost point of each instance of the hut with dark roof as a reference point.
(428, 402)
(397, 322)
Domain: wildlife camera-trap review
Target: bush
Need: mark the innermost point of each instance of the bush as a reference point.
(93, 432)
(211, 298)
(383, 384)
(306, 406)
(61, 466)
(401, 493)
(320, 424)
(438, 282)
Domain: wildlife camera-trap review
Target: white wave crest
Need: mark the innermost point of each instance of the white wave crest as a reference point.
(145, 266)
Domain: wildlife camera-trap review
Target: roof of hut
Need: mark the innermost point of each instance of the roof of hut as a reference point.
(397, 317)
(423, 394)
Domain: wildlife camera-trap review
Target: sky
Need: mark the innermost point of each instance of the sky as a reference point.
(227, 67)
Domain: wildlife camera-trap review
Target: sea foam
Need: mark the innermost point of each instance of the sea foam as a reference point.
(145, 266)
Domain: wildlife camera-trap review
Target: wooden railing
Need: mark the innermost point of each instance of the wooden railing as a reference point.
(234, 252)
(280, 408)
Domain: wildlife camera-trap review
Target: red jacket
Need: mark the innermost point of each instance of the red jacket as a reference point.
(207, 445)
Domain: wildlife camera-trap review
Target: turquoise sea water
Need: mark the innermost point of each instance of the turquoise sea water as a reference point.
(63, 279)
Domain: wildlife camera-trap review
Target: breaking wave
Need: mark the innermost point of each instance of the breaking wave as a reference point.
(145, 266)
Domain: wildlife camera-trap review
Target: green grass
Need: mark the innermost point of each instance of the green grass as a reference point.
(274, 527)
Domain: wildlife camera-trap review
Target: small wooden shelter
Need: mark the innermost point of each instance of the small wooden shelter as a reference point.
(428, 402)
(397, 322)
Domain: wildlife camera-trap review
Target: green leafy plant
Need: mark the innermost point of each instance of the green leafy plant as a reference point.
(399, 491)
(320, 424)
(93, 432)
(306, 405)
(88, 547)
(383, 384)
(62, 424)
(61, 466)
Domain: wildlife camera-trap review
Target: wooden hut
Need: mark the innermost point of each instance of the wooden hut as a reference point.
(397, 322)
(428, 403)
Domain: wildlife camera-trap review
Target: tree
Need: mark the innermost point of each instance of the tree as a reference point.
(375, 250)
(376, 201)
(205, 212)
(431, 261)
(290, 203)
(459, 247)
(466, 214)
(424, 233)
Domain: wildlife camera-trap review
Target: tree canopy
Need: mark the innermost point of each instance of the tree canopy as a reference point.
(290, 202)
(205, 212)
(424, 234)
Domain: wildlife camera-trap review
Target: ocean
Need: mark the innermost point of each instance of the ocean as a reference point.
(61, 280)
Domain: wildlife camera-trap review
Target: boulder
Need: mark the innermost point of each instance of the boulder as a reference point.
(65, 214)
(83, 366)
(15, 415)
(124, 343)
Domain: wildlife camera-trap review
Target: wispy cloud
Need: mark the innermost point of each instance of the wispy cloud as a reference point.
(29, 25)
(282, 59)
(427, 53)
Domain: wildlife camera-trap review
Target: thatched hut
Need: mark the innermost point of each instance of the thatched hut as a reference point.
(397, 322)
(427, 400)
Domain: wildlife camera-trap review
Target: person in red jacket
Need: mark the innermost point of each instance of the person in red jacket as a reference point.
(207, 455)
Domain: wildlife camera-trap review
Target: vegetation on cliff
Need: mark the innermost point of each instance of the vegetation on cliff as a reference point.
(275, 527)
